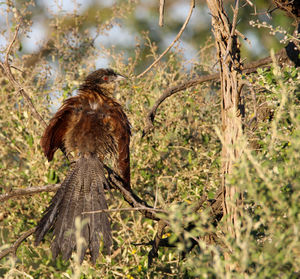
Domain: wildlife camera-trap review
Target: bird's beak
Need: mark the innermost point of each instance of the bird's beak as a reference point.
(120, 77)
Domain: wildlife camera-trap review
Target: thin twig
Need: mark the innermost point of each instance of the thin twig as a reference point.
(232, 31)
(175, 40)
(16, 68)
(233, 26)
(126, 209)
(9, 48)
(28, 191)
(161, 12)
(7, 68)
(243, 37)
(13, 249)
(235, 15)
(249, 2)
(285, 8)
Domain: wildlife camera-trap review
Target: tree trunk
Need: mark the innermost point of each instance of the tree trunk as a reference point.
(231, 105)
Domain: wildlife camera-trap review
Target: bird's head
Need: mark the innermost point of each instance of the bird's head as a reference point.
(102, 78)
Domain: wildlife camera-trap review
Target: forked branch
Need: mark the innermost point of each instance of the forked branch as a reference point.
(192, 6)
(7, 69)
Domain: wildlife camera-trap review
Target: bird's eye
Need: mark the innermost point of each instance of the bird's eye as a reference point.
(105, 78)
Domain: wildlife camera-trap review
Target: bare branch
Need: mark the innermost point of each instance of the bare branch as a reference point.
(161, 12)
(234, 21)
(13, 249)
(28, 191)
(7, 68)
(9, 48)
(131, 198)
(243, 37)
(175, 40)
(233, 27)
(169, 92)
(126, 209)
(249, 3)
(249, 68)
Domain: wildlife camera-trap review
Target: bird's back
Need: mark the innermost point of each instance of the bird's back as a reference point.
(90, 129)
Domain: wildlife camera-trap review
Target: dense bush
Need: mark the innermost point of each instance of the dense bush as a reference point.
(267, 233)
(172, 167)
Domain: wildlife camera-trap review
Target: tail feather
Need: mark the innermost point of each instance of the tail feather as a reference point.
(65, 240)
(84, 197)
(64, 223)
(51, 212)
(97, 190)
(82, 191)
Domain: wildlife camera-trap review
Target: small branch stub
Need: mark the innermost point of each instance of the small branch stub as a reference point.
(161, 12)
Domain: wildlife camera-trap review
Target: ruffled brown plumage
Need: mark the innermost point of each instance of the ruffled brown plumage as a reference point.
(92, 126)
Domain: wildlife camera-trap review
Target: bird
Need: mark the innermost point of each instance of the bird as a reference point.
(93, 128)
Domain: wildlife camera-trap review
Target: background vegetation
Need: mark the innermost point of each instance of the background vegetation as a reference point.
(173, 166)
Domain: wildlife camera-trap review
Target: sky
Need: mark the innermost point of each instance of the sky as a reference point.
(117, 35)
(121, 35)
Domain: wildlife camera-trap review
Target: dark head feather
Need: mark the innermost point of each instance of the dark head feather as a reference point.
(100, 77)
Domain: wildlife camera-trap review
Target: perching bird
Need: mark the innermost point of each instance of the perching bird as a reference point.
(93, 127)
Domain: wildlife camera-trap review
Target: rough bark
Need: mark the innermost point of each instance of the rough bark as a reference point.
(231, 106)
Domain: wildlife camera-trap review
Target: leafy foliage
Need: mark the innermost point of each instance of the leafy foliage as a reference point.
(171, 168)
(267, 242)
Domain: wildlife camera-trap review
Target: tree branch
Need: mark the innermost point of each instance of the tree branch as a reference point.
(125, 209)
(249, 68)
(13, 249)
(28, 191)
(7, 68)
(132, 199)
(169, 92)
(161, 12)
(192, 5)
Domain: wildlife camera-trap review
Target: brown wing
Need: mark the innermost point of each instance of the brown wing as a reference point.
(124, 158)
(123, 141)
(53, 136)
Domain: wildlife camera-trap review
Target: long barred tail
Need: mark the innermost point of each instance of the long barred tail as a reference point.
(81, 191)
